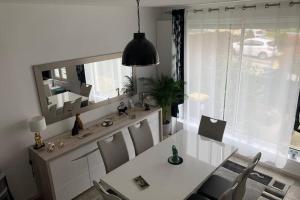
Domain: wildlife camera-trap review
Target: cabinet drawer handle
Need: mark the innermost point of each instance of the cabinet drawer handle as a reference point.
(86, 154)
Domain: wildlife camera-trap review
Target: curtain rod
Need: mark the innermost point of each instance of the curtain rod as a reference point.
(267, 5)
(227, 8)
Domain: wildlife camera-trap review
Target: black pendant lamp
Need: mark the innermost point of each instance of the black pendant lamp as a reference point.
(139, 51)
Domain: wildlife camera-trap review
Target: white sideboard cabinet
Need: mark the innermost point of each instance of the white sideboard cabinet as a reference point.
(69, 170)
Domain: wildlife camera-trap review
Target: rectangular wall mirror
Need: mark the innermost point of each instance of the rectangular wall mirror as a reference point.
(69, 87)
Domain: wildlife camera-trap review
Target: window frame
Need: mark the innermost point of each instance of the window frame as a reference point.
(60, 74)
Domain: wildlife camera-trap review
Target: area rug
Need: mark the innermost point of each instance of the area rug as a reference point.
(259, 185)
(254, 175)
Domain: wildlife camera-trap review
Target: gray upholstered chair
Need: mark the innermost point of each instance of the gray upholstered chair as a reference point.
(5, 193)
(212, 128)
(197, 197)
(52, 112)
(76, 105)
(256, 158)
(113, 151)
(85, 90)
(141, 136)
(104, 193)
(215, 187)
(227, 195)
(67, 108)
(47, 91)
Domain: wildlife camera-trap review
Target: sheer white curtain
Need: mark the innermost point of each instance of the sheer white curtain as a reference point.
(243, 66)
(105, 77)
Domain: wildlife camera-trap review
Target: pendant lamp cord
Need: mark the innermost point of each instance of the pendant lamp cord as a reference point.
(138, 13)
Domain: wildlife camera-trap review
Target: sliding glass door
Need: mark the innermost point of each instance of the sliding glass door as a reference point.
(243, 66)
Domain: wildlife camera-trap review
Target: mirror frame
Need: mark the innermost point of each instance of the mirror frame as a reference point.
(38, 69)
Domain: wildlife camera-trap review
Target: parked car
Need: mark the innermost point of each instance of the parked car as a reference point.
(262, 48)
(258, 33)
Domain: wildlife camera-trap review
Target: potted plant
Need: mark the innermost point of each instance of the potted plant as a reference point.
(129, 88)
(166, 91)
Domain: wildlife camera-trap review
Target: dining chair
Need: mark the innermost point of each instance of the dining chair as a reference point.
(113, 151)
(256, 158)
(141, 136)
(212, 128)
(216, 185)
(5, 193)
(197, 197)
(76, 105)
(47, 90)
(67, 108)
(104, 193)
(227, 195)
(52, 112)
(85, 90)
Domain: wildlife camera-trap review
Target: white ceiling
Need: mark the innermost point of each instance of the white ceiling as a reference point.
(145, 3)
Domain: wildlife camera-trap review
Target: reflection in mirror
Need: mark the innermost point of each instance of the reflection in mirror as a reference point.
(107, 78)
(71, 89)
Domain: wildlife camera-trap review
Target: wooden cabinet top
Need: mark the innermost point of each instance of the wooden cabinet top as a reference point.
(93, 131)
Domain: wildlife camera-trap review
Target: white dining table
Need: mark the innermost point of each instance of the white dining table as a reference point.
(201, 157)
(60, 99)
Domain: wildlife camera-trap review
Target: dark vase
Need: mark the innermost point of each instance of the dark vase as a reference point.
(78, 125)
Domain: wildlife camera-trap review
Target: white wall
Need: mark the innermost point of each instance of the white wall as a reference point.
(35, 34)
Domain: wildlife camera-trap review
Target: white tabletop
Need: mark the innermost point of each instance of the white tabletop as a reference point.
(59, 99)
(201, 157)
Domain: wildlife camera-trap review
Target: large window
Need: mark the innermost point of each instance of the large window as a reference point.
(243, 67)
(60, 73)
(108, 78)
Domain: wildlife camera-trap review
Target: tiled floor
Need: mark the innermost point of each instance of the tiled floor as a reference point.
(293, 192)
